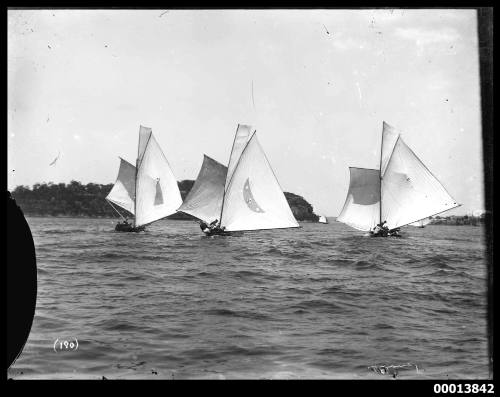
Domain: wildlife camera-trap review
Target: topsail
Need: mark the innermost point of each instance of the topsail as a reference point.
(401, 192)
(149, 190)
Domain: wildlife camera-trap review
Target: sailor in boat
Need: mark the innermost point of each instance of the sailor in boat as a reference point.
(209, 229)
(215, 228)
(212, 229)
(394, 232)
(204, 227)
(123, 226)
(380, 230)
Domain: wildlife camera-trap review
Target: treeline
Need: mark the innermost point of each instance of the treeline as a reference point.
(78, 200)
(459, 220)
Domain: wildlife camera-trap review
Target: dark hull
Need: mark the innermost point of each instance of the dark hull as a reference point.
(217, 233)
(120, 227)
(385, 235)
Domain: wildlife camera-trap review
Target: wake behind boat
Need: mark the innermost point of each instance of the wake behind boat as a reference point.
(149, 191)
(400, 192)
(243, 196)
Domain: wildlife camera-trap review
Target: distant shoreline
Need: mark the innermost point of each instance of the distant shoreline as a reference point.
(75, 200)
(118, 218)
(441, 222)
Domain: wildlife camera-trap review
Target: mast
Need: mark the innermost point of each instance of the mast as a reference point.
(222, 205)
(137, 164)
(135, 188)
(380, 179)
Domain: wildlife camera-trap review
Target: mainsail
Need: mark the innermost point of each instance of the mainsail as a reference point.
(402, 191)
(409, 190)
(123, 191)
(157, 192)
(253, 198)
(204, 200)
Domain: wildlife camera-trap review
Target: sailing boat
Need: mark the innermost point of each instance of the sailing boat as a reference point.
(400, 192)
(322, 219)
(421, 223)
(243, 196)
(148, 190)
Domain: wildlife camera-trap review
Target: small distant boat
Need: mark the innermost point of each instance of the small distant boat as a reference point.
(322, 219)
(402, 191)
(243, 196)
(149, 191)
(421, 223)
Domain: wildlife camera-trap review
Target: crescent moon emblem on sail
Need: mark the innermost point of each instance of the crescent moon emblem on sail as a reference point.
(249, 199)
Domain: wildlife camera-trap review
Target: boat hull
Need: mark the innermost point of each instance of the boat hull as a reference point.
(385, 235)
(217, 233)
(120, 227)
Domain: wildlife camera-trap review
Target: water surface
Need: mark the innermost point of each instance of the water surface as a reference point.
(322, 301)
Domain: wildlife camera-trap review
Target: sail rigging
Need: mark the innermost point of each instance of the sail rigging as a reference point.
(204, 200)
(407, 190)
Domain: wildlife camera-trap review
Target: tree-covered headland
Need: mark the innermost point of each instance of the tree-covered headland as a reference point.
(75, 199)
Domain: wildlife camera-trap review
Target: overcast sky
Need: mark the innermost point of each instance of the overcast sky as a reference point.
(80, 82)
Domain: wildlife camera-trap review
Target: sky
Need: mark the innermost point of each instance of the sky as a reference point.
(316, 84)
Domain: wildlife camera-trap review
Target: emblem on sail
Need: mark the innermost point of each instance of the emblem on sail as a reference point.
(159, 194)
(248, 197)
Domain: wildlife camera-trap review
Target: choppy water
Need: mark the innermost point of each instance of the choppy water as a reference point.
(317, 302)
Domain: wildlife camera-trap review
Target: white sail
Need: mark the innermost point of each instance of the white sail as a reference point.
(253, 199)
(409, 190)
(241, 138)
(157, 192)
(362, 206)
(322, 219)
(123, 191)
(204, 200)
(144, 134)
(389, 138)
